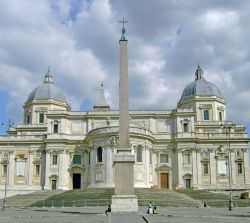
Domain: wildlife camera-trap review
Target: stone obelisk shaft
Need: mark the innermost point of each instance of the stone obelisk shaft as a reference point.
(123, 98)
(124, 199)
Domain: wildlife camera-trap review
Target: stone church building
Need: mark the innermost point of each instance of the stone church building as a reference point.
(192, 146)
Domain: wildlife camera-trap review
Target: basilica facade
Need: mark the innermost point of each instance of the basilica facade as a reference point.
(192, 146)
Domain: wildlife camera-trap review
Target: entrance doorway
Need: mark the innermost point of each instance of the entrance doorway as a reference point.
(164, 180)
(188, 183)
(76, 180)
(53, 184)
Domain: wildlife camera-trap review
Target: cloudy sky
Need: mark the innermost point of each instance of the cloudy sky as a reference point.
(167, 39)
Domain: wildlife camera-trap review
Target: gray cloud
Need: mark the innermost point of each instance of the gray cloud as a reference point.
(167, 40)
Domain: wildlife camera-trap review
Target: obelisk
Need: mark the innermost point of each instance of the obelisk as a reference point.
(124, 199)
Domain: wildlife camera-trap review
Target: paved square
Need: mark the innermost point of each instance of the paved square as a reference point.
(96, 215)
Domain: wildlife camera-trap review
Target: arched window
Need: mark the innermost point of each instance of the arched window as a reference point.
(139, 154)
(99, 155)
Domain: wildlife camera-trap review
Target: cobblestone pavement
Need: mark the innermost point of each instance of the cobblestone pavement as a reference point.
(96, 215)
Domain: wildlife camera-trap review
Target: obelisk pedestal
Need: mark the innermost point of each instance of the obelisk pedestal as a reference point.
(124, 199)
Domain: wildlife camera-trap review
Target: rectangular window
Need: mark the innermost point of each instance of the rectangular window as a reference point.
(28, 119)
(55, 128)
(205, 168)
(150, 157)
(54, 160)
(240, 168)
(38, 155)
(220, 116)
(187, 158)
(139, 154)
(239, 153)
(5, 170)
(37, 170)
(163, 158)
(205, 115)
(99, 155)
(41, 118)
(185, 127)
(5, 155)
(77, 159)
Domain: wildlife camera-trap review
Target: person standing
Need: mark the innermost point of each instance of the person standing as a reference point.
(150, 208)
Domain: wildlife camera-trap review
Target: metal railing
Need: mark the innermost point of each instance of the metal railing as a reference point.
(71, 203)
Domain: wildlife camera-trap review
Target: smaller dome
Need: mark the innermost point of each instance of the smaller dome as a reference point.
(200, 87)
(47, 91)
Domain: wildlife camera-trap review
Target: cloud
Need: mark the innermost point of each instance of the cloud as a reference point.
(79, 39)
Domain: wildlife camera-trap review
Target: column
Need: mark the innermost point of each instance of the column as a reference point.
(92, 166)
(246, 166)
(109, 168)
(47, 171)
(233, 168)
(43, 169)
(30, 168)
(194, 168)
(212, 166)
(11, 168)
(199, 169)
(180, 166)
(62, 170)
(146, 165)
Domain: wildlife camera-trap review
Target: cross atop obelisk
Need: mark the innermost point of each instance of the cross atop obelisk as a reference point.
(123, 28)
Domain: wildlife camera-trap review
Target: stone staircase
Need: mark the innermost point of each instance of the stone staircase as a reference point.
(164, 197)
(215, 198)
(79, 198)
(25, 200)
(100, 197)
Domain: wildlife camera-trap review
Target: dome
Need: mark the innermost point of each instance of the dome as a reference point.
(200, 87)
(47, 91)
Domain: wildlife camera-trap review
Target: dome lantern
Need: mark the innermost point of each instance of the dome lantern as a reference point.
(48, 77)
(200, 87)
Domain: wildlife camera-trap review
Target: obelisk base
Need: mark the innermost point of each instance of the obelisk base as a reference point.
(124, 199)
(124, 204)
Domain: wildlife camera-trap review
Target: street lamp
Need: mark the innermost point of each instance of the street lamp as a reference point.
(228, 127)
(7, 169)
